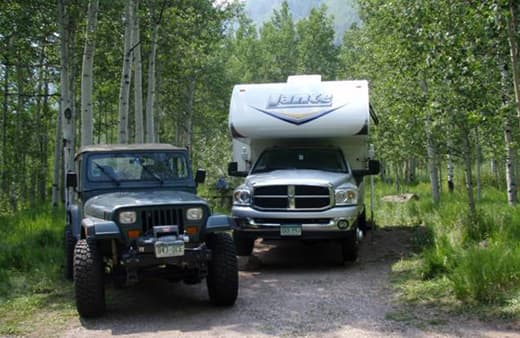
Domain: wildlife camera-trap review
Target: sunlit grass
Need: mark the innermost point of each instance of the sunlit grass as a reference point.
(464, 261)
(32, 288)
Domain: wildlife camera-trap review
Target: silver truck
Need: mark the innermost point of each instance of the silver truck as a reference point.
(303, 148)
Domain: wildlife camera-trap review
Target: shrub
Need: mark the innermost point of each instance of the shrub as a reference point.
(487, 274)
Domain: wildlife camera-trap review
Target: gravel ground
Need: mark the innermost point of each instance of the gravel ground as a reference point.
(286, 289)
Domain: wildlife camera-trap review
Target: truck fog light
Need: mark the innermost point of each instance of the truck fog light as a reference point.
(342, 224)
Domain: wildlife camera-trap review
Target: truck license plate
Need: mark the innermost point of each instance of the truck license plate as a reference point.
(290, 230)
(169, 249)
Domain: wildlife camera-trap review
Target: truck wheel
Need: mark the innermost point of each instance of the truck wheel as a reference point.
(69, 242)
(362, 222)
(349, 247)
(222, 280)
(243, 245)
(89, 279)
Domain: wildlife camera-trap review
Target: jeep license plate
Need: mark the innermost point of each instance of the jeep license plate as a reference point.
(169, 249)
(290, 230)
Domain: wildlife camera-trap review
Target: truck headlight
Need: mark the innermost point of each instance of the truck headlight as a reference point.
(194, 214)
(346, 196)
(127, 217)
(241, 196)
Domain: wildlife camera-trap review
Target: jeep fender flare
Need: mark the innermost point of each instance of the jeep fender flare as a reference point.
(217, 223)
(73, 219)
(100, 228)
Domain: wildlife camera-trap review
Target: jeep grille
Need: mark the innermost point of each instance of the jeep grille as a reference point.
(161, 216)
(292, 197)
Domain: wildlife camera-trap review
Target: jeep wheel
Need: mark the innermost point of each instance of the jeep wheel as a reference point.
(243, 244)
(222, 280)
(89, 279)
(349, 247)
(68, 243)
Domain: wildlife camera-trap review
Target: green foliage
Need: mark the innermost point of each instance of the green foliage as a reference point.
(31, 246)
(489, 273)
(476, 258)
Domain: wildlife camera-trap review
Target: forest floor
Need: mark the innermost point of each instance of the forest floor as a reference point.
(290, 289)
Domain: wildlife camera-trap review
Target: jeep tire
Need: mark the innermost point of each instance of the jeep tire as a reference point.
(243, 244)
(89, 279)
(69, 242)
(349, 247)
(222, 279)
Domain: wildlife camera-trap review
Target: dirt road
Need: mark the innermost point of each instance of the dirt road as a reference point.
(286, 289)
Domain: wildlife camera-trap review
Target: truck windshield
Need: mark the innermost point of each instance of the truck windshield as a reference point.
(142, 166)
(301, 158)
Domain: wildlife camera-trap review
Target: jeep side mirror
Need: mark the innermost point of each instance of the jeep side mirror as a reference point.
(71, 179)
(200, 176)
(233, 170)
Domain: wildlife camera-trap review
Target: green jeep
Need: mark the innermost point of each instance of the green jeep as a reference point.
(136, 215)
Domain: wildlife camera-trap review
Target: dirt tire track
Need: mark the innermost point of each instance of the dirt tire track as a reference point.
(286, 289)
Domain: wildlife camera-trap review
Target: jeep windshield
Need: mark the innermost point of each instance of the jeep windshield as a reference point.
(301, 158)
(137, 167)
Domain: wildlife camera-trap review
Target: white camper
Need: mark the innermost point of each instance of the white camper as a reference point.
(303, 146)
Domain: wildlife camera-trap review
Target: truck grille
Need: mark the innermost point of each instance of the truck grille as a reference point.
(161, 216)
(292, 197)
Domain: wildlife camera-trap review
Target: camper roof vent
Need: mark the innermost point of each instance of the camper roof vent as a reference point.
(303, 78)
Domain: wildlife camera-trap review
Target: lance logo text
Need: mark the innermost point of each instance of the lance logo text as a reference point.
(299, 101)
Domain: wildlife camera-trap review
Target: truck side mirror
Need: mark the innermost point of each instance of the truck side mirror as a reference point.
(233, 170)
(71, 179)
(200, 176)
(374, 167)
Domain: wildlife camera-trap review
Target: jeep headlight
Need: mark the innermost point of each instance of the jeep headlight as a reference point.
(127, 217)
(194, 214)
(345, 196)
(241, 196)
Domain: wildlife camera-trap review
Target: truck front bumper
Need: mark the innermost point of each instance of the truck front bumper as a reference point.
(336, 222)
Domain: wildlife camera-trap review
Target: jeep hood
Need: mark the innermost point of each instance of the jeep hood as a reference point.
(102, 206)
(298, 177)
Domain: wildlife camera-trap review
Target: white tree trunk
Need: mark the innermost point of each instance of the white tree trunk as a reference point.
(86, 74)
(138, 82)
(451, 184)
(468, 174)
(65, 99)
(512, 30)
(124, 92)
(189, 114)
(510, 155)
(150, 94)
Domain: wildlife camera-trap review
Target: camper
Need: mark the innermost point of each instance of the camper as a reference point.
(303, 149)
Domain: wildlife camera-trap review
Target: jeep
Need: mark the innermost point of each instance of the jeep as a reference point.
(135, 214)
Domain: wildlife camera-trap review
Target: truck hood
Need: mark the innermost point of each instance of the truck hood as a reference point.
(298, 177)
(102, 206)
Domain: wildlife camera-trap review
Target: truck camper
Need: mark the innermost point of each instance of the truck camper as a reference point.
(303, 148)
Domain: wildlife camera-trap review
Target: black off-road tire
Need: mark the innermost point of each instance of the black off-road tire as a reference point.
(243, 244)
(222, 279)
(89, 283)
(69, 242)
(349, 247)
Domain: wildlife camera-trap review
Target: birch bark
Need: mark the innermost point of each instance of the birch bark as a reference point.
(124, 92)
(86, 74)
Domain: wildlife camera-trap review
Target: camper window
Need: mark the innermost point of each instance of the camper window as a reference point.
(301, 158)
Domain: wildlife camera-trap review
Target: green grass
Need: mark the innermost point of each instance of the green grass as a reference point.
(33, 293)
(463, 262)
